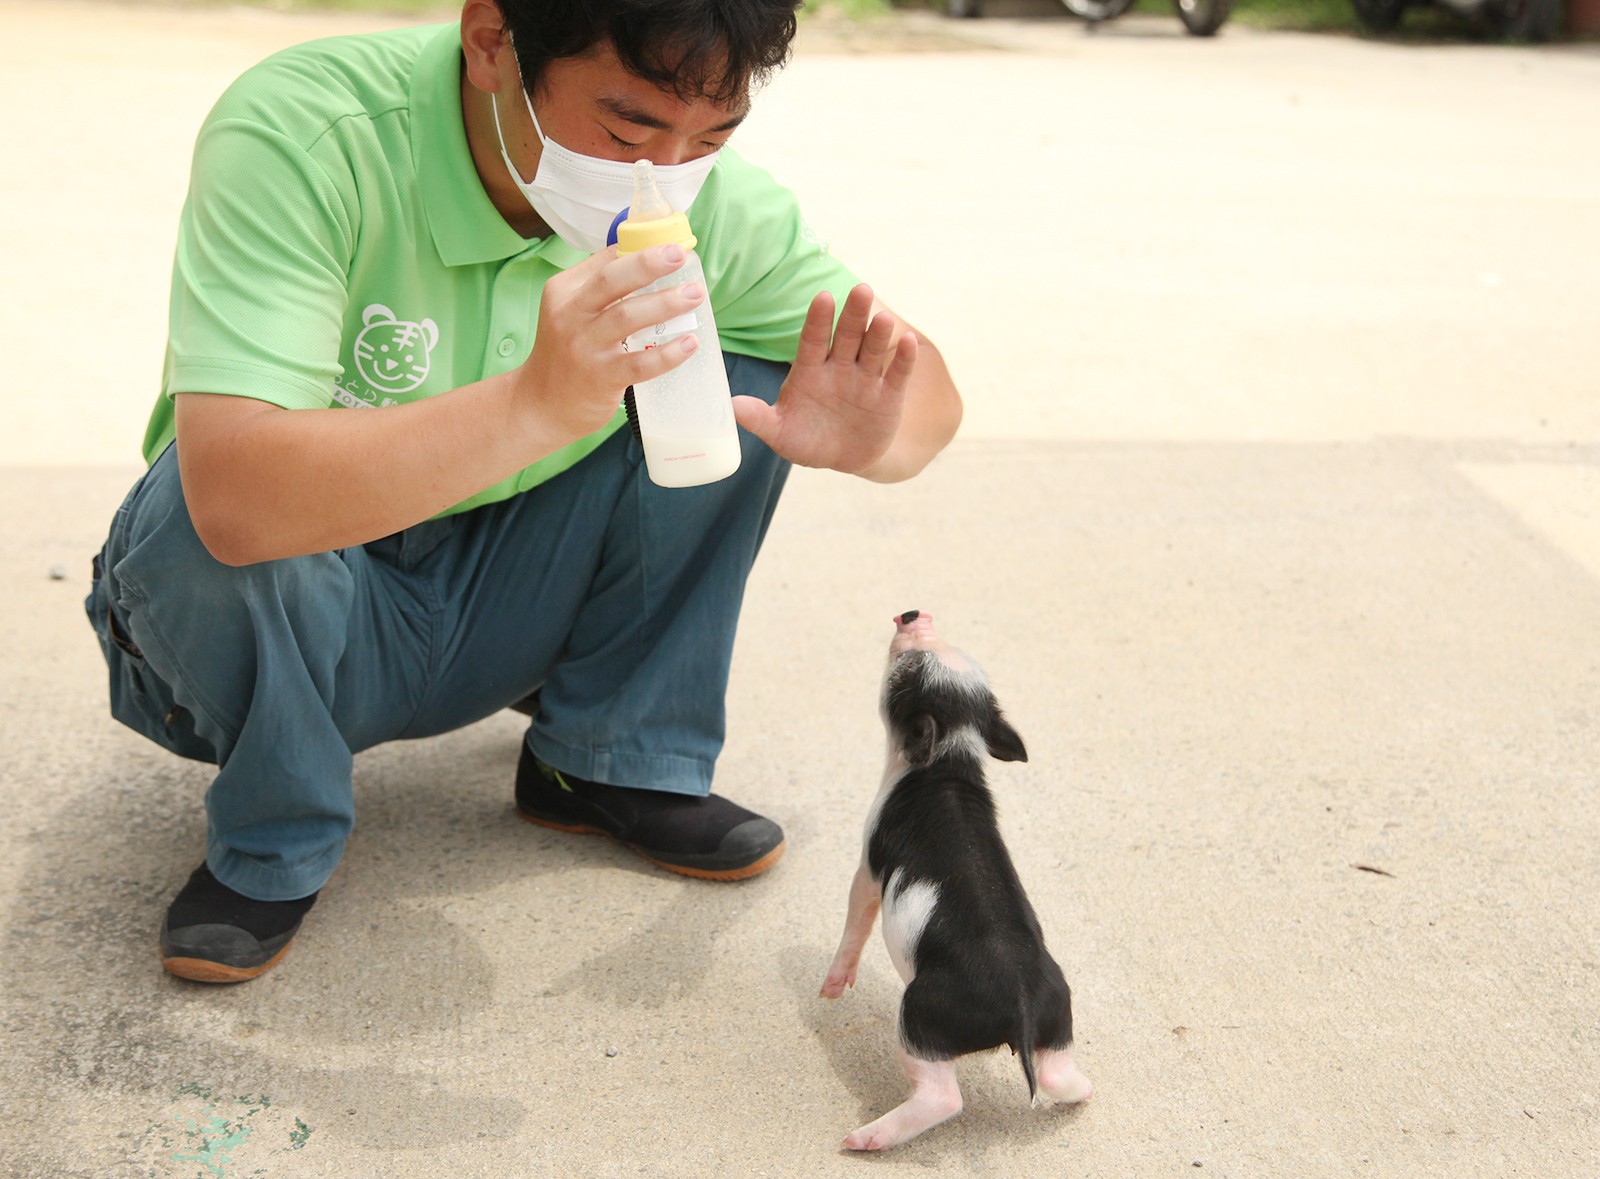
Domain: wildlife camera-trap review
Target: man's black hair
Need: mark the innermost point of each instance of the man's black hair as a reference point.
(714, 49)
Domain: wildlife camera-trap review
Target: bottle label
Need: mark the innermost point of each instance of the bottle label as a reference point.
(654, 337)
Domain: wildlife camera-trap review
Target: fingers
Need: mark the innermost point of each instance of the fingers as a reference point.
(852, 329)
(756, 416)
(605, 277)
(639, 312)
(878, 343)
(901, 364)
(608, 293)
(817, 333)
(861, 338)
(646, 363)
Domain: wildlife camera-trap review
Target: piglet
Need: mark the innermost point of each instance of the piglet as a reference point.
(956, 921)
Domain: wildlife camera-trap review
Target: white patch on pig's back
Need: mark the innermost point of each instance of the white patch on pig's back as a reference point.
(905, 915)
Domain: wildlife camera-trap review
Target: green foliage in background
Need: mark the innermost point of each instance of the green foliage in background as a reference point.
(447, 9)
(851, 9)
(442, 9)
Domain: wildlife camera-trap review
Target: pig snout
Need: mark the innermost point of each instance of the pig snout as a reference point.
(913, 629)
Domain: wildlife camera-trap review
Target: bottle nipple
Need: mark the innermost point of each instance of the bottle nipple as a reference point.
(648, 203)
(651, 221)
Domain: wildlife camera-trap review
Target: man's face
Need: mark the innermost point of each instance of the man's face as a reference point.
(594, 106)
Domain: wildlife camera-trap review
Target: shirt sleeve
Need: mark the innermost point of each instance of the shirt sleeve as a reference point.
(763, 262)
(260, 278)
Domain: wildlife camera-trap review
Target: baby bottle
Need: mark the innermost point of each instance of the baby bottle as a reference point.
(684, 418)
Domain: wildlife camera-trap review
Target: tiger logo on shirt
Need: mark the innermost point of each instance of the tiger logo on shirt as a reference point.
(393, 355)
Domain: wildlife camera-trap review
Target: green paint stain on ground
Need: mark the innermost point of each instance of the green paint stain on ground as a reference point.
(207, 1136)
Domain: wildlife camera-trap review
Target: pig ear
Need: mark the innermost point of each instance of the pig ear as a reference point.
(921, 740)
(1004, 742)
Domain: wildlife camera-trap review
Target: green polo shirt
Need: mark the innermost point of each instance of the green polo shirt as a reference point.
(337, 248)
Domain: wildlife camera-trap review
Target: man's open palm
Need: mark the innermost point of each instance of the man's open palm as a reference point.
(841, 406)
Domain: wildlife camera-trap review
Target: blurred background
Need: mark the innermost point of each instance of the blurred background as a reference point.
(1295, 233)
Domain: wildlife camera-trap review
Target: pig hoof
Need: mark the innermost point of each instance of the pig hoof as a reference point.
(1062, 1081)
(833, 986)
(927, 1106)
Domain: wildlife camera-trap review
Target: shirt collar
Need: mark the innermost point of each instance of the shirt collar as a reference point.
(465, 225)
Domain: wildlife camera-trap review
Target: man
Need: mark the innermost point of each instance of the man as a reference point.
(387, 493)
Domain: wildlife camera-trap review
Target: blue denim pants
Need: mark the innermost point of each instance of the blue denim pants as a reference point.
(616, 598)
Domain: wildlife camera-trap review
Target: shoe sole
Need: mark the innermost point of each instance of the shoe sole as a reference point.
(201, 970)
(741, 873)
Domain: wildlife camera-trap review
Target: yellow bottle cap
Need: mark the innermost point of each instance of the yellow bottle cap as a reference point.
(633, 236)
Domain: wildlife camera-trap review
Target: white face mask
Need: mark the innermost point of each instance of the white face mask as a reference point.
(580, 196)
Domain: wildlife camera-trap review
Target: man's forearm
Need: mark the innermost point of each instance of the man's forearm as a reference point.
(264, 482)
(928, 422)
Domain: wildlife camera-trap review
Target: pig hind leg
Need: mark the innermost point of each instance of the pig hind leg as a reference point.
(940, 1019)
(1058, 1076)
(935, 1097)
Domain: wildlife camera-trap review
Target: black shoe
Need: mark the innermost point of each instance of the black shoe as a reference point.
(213, 934)
(708, 837)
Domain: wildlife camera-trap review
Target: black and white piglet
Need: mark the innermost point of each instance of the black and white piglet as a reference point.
(957, 923)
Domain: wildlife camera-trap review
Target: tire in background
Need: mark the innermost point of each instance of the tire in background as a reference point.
(1379, 16)
(1527, 20)
(1096, 11)
(1203, 17)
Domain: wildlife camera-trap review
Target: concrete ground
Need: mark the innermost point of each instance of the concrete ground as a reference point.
(1276, 519)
